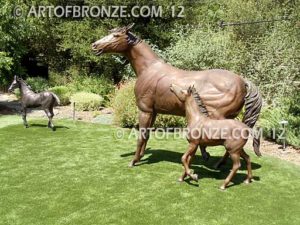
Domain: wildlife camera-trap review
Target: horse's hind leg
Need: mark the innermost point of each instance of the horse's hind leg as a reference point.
(222, 161)
(50, 114)
(204, 153)
(246, 157)
(236, 165)
(24, 117)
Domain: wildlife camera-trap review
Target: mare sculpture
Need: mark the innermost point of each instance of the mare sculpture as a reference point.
(224, 93)
(29, 99)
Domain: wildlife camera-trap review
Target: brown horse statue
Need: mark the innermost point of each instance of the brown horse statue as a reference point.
(223, 93)
(202, 130)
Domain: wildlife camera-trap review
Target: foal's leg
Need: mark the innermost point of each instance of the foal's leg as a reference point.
(186, 160)
(23, 110)
(236, 165)
(145, 120)
(189, 163)
(246, 157)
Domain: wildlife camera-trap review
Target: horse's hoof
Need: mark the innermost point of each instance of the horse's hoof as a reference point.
(180, 180)
(26, 126)
(222, 188)
(247, 181)
(131, 164)
(206, 157)
(194, 177)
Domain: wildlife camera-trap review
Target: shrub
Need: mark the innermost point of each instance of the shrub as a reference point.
(37, 84)
(288, 109)
(126, 111)
(63, 93)
(86, 101)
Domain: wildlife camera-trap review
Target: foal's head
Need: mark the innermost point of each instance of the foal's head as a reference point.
(190, 97)
(15, 84)
(119, 40)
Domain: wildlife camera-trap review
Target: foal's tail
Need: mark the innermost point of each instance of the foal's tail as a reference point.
(56, 98)
(253, 104)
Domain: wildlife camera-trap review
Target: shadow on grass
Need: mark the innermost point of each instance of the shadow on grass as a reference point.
(200, 167)
(46, 126)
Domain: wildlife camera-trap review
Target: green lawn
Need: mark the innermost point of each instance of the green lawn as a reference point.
(79, 175)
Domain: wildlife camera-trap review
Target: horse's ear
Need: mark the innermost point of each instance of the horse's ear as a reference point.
(128, 27)
(190, 89)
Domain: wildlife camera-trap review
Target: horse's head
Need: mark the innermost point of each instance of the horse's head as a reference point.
(180, 93)
(119, 40)
(15, 84)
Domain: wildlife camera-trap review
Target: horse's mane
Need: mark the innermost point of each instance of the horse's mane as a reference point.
(132, 39)
(198, 100)
(23, 81)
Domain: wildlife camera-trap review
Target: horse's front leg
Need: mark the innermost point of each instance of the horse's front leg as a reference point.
(146, 120)
(186, 158)
(23, 110)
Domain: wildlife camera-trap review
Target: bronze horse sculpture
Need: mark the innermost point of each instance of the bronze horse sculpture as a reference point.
(202, 130)
(29, 99)
(223, 93)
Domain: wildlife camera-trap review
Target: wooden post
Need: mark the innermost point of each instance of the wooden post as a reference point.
(73, 110)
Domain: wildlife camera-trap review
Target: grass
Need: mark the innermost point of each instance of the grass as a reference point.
(79, 175)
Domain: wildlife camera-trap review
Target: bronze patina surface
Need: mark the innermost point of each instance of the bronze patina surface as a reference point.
(224, 93)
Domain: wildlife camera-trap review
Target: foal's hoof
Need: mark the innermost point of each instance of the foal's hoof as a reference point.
(194, 177)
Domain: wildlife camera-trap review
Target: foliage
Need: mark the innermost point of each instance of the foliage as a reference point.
(63, 93)
(207, 49)
(86, 101)
(37, 84)
(6, 63)
(288, 109)
(126, 111)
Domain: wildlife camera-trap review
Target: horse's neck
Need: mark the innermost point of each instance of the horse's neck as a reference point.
(141, 57)
(192, 111)
(24, 89)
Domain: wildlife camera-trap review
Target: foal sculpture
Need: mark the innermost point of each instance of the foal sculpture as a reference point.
(223, 93)
(46, 100)
(202, 130)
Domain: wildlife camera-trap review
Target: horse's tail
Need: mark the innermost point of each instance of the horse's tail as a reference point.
(253, 104)
(56, 98)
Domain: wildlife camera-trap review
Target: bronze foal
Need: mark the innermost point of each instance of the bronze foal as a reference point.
(223, 92)
(202, 130)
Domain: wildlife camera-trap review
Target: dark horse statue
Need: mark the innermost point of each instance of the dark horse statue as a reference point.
(232, 134)
(223, 93)
(46, 100)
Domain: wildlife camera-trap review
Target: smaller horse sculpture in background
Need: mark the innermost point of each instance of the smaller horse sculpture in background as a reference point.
(202, 130)
(45, 100)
